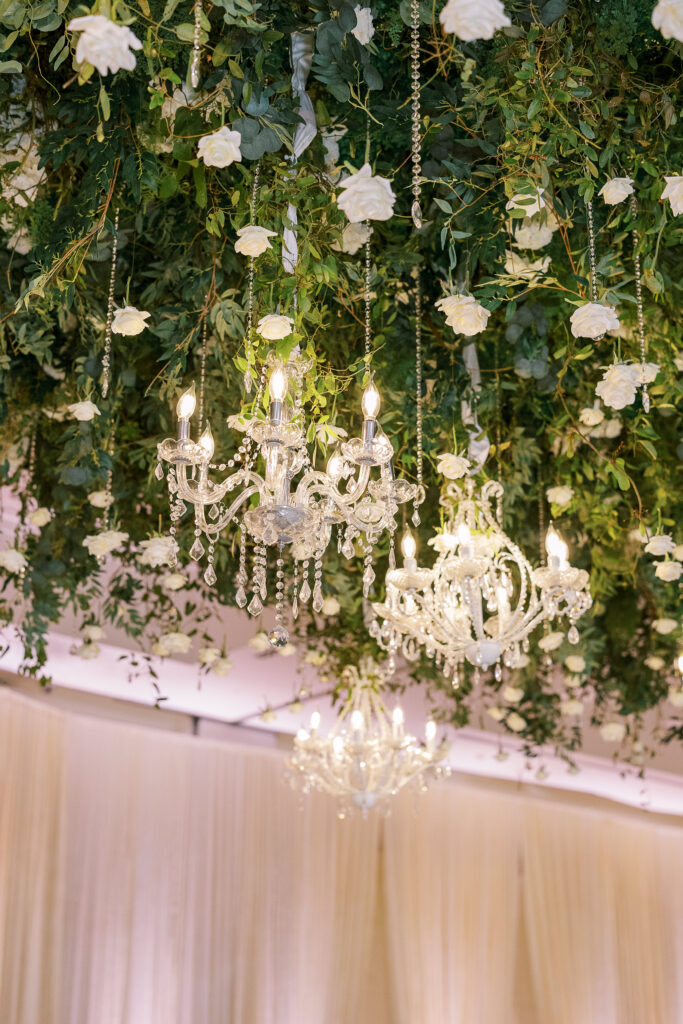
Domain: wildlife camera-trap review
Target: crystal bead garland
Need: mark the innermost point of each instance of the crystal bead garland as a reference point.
(639, 303)
(106, 357)
(415, 209)
(247, 379)
(196, 44)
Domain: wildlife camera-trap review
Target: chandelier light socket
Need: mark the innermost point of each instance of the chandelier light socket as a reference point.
(275, 412)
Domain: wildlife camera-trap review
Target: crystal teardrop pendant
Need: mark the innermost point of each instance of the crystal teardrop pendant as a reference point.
(197, 549)
(305, 592)
(646, 400)
(159, 471)
(248, 382)
(214, 512)
(347, 549)
(416, 214)
(278, 636)
(209, 575)
(295, 608)
(317, 598)
(416, 518)
(573, 635)
(241, 597)
(255, 606)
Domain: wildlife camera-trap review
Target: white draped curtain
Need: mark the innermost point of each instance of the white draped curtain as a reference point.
(150, 878)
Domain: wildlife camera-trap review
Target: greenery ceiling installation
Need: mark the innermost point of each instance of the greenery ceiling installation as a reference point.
(573, 93)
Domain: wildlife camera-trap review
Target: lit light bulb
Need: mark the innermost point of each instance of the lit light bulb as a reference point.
(357, 721)
(464, 536)
(408, 546)
(430, 732)
(397, 722)
(302, 735)
(371, 402)
(315, 721)
(278, 385)
(186, 403)
(206, 443)
(556, 549)
(338, 746)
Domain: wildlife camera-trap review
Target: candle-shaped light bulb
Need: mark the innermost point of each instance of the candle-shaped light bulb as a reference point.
(397, 723)
(408, 546)
(357, 722)
(556, 549)
(315, 722)
(464, 536)
(335, 466)
(371, 402)
(338, 746)
(186, 403)
(206, 443)
(277, 385)
(430, 733)
(302, 735)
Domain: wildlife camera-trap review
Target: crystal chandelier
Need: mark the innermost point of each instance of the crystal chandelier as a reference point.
(367, 756)
(482, 599)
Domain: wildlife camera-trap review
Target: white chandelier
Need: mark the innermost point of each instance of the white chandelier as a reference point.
(367, 757)
(482, 599)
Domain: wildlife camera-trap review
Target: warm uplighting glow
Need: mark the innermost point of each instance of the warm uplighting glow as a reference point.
(278, 385)
(408, 546)
(371, 402)
(556, 548)
(206, 442)
(186, 403)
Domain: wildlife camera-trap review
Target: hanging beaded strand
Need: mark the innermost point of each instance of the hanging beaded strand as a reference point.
(202, 367)
(639, 304)
(415, 209)
(247, 380)
(196, 45)
(591, 252)
(419, 496)
(106, 358)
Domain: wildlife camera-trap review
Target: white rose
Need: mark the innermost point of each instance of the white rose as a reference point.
(287, 651)
(678, 552)
(515, 722)
(676, 696)
(592, 416)
(513, 694)
(221, 666)
(674, 193)
(664, 626)
(175, 643)
(464, 314)
(615, 190)
(452, 466)
(593, 319)
(20, 241)
(173, 581)
(22, 187)
(207, 655)
(617, 388)
(159, 649)
(518, 266)
(668, 571)
(221, 148)
(40, 517)
(551, 641)
(473, 19)
(87, 651)
(668, 18)
(183, 96)
(12, 560)
(443, 543)
(530, 203)
(354, 237)
(560, 496)
(364, 29)
(100, 499)
(99, 544)
(640, 536)
(532, 235)
(366, 196)
(331, 606)
(274, 326)
(93, 632)
(157, 551)
(571, 708)
(253, 240)
(83, 411)
(613, 732)
(660, 544)
(259, 642)
(129, 321)
(609, 429)
(315, 657)
(575, 663)
(654, 662)
(104, 44)
(496, 713)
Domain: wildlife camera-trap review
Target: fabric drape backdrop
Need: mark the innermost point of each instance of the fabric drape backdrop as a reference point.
(151, 878)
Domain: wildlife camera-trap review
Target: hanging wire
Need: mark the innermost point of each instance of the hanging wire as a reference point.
(106, 358)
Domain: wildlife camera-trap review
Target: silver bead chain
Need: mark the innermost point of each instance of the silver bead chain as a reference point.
(106, 358)
(591, 252)
(368, 265)
(415, 210)
(419, 497)
(196, 45)
(639, 302)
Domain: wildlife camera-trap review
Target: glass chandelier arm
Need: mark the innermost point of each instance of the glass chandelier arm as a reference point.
(224, 520)
(315, 482)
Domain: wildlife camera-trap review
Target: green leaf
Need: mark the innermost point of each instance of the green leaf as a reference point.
(10, 67)
(104, 103)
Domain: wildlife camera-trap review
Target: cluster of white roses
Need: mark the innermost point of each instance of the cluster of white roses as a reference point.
(22, 187)
(620, 382)
(662, 545)
(464, 314)
(473, 19)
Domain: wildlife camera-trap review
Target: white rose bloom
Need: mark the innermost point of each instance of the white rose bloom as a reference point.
(575, 663)
(253, 240)
(668, 18)
(452, 466)
(40, 517)
(259, 642)
(83, 411)
(100, 499)
(22, 187)
(668, 571)
(592, 416)
(532, 235)
(287, 651)
(443, 543)
(515, 722)
(274, 326)
(157, 551)
(12, 560)
(99, 544)
(464, 314)
(182, 96)
(660, 544)
(674, 193)
(221, 148)
(496, 713)
(593, 320)
(20, 241)
(159, 649)
(560, 496)
(473, 19)
(93, 632)
(571, 708)
(676, 696)
(207, 655)
(315, 657)
(365, 196)
(654, 662)
(175, 643)
(613, 732)
(129, 321)
(221, 666)
(364, 29)
(551, 641)
(615, 190)
(617, 388)
(331, 606)
(531, 204)
(609, 429)
(639, 536)
(664, 626)
(518, 266)
(354, 237)
(87, 651)
(173, 581)
(513, 694)
(678, 552)
(104, 44)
